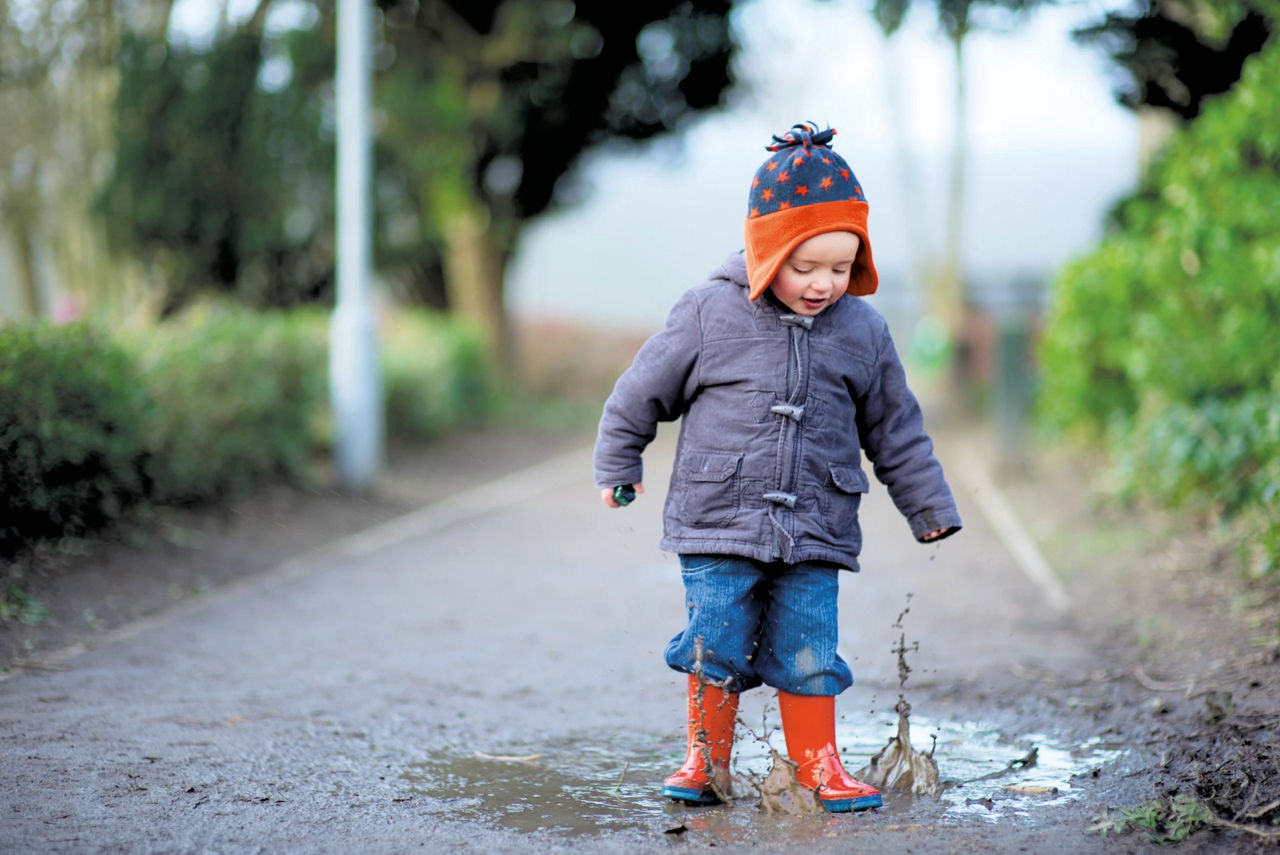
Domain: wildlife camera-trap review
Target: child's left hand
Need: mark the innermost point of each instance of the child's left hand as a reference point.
(935, 535)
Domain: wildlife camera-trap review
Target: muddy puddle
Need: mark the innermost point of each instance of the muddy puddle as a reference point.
(576, 788)
(984, 773)
(566, 787)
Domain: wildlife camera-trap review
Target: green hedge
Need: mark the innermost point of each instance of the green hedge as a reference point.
(435, 374)
(1165, 343)
(72, 424)
(93, 423)
(234, 396)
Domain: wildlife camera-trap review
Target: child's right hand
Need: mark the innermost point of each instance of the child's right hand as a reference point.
(606, 494)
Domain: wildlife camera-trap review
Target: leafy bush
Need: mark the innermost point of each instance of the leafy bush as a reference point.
(72, 417)
(1164, 340)
(235, 396)
(435, 374)
(1086, 346)
(198, 409)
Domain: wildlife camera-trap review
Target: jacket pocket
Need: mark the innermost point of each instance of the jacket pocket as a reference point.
(710, 486)
(840, 500)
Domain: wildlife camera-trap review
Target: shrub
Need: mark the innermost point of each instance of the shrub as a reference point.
(72, 432)
(435, 374)
(235, 396)
(1164, 340)
(200, 408)
(1085, 349)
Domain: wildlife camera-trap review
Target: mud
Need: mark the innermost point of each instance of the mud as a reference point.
(1228, 761)
(899, 766)
(721, 782)
(768, 773)
(781, 791)
(1193, 644)
(1237, 771)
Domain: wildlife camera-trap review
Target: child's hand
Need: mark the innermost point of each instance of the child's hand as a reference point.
(935, 535)
(606, 494)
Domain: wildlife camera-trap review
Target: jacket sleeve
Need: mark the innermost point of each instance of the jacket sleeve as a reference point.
(657, 387)
(891, 427)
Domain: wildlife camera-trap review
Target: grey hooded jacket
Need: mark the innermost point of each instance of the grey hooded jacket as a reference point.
(774, 410)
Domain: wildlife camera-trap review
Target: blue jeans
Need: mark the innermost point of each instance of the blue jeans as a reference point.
(761, 623)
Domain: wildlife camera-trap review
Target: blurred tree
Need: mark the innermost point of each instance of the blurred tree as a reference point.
(220, 176)
(54, 78)
(21, 64)
(488, 103)
(1173, 54)
(224, 162)
(1162, 344)
(957, 19)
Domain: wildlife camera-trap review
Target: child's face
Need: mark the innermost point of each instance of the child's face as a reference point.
(816, 274)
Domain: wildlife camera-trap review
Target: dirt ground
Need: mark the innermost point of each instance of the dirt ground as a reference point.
(1198, 643)
(1194, 650)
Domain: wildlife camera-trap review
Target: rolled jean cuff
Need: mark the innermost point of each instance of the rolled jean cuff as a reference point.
(730, 682)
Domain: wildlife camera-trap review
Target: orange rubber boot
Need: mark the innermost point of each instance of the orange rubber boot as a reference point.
(809, 725)
(711, 720)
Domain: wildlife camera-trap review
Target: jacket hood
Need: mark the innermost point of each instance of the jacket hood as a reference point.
(733, 269)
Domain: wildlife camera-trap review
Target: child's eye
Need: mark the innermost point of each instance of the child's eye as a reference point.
(840, 271)
(802, 270)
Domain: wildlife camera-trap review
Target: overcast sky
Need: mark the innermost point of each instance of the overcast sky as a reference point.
(1050, 151)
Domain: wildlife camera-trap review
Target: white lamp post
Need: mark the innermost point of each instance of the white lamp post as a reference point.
(355, 386)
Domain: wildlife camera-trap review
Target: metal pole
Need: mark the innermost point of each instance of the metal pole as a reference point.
(1012, 389)
(355, 387)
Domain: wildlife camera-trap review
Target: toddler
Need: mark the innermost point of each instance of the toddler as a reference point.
(781, 376)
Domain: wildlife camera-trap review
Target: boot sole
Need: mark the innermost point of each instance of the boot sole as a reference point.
(691, 796)
(847, 805)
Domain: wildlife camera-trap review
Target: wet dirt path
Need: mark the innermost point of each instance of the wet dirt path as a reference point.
(486, 676)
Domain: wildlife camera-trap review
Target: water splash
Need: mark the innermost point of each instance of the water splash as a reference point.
(781, 791)
(899, 766)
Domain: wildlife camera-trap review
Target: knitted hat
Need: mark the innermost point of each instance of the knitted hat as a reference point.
(802, 190)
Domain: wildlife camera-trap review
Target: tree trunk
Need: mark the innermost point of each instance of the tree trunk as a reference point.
(474, 266)
(948, 301)
(920, 247)
(164, 18)
(1155, 126)
(258, 20)
(30, 298)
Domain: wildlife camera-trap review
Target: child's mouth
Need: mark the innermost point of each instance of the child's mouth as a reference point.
(814, 304)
